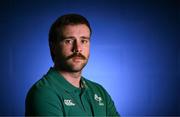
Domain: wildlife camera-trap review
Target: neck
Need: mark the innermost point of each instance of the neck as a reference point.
(72, 77)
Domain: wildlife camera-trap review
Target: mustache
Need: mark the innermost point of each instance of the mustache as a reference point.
(76, 55)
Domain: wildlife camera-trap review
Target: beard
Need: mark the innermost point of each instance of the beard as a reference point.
(73, 63)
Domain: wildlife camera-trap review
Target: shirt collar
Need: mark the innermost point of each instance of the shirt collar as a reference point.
(61, 82)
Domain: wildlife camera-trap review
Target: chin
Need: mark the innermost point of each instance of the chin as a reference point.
(79, 69)
(74, 68)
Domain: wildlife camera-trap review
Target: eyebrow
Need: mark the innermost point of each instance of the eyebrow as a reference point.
(68, 37)
(71, 37)
(83, 37)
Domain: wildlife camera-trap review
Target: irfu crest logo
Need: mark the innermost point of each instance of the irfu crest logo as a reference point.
(99, 99)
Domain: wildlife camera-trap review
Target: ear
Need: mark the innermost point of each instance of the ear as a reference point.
(53, 49)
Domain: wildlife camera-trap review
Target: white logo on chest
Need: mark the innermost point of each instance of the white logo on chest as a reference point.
(99, 99)
(69, 103)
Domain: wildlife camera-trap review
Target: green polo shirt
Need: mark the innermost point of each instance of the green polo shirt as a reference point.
(54, 96)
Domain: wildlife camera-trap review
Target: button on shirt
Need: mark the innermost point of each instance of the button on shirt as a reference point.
(52, 95)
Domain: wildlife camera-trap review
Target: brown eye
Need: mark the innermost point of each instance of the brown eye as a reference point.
(84, 41)
(68, 41)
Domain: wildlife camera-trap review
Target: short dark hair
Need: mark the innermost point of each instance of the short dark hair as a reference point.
(55, 32)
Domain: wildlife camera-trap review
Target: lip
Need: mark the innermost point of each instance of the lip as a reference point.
(77, 59)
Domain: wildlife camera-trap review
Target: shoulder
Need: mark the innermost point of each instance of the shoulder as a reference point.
(42, 83)
(41, 99)
(96, 87)
(98, 91)
(92, 83)
(39, 88)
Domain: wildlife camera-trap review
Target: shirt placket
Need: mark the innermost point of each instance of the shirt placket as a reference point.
(77, 99)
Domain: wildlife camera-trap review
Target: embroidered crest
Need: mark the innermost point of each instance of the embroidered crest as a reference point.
(98, 99)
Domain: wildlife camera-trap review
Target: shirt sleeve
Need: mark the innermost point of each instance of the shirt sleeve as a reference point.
(111, 109)
(43, 102)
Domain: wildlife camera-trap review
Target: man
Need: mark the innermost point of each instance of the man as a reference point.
(63, 91)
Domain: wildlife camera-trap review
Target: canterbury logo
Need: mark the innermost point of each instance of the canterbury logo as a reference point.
(69, 103)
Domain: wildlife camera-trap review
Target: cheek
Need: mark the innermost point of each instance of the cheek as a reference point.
(66, 50)
(62, 51)
(87, 51)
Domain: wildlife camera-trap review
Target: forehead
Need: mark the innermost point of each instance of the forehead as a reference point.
(78, 29)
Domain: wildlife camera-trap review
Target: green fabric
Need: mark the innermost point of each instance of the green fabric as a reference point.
(54, 96)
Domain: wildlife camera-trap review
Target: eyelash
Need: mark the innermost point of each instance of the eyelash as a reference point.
(84, 41)
(69, 41)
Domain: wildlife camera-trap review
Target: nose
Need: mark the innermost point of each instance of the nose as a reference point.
(77, 48)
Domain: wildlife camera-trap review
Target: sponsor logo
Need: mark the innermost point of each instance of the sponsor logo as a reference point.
(98, 99)
(69, 103)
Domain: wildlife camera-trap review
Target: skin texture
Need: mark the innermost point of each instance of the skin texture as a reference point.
(72, 52)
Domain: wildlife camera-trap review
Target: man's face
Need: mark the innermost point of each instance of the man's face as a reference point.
(72, 52)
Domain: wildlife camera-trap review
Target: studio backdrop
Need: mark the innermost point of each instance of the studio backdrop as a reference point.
(134, 51)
